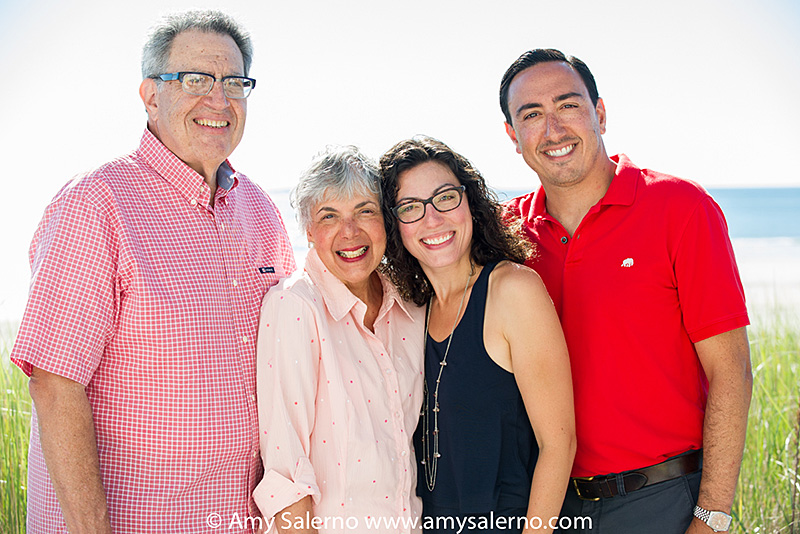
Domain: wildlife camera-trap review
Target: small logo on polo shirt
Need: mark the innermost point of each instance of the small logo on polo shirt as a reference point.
(627, 262)
(266, 270)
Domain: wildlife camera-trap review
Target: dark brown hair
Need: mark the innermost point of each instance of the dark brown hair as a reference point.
(544, 55)
(493, 237)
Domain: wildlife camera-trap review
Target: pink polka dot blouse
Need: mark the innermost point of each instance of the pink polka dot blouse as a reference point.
(337, 403)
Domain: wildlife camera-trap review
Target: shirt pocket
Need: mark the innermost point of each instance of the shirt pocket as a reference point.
(257, 280)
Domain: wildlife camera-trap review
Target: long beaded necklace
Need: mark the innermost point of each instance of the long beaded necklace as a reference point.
(431, 461)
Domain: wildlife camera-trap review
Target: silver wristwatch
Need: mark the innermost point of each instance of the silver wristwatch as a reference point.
(718, 521)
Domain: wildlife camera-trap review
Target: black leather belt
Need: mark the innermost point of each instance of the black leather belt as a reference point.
(605, 486)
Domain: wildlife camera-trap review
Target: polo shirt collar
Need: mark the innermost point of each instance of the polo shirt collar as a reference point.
(338, 299)
(621, 192)
(177, 173)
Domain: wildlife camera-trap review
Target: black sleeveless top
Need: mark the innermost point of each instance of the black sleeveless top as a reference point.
(488, 450)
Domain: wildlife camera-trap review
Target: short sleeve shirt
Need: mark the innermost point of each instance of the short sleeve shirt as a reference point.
(148, 296)
(649, 271)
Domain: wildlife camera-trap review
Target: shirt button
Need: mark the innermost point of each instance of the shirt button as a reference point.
(235, 283)
(388, 371)
(397, 414)
(221, 226)
(404, 454)
(255, 453)
(193, 202)
(244, 339)
(253, 398)
(564, 240)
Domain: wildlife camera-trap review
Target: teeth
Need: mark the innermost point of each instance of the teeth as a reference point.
(212, 124)
(350, 254)
(560, 152)
(439, 240)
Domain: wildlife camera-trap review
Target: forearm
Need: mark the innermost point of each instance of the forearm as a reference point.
(296, 518)
(549, 484)
(724, 431)
(67, 435)
(726, 362)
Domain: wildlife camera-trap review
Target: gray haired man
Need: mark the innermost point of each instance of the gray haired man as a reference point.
(139, 333)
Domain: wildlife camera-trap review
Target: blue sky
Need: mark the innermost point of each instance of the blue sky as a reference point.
(703, 89)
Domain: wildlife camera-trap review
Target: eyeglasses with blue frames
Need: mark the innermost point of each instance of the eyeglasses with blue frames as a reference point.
(201, 83)
(445, 200)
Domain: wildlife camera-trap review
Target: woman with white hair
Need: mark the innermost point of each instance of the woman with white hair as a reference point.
(339, 368)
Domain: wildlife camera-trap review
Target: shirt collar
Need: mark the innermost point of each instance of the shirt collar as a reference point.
(185, 179)
(622, 190)
(338, 299)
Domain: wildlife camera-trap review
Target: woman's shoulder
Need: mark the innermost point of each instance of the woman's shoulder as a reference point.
(297, 289)
(510, 272)
(514, 282)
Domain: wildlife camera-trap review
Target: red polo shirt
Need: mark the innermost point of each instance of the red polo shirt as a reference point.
(649, 272)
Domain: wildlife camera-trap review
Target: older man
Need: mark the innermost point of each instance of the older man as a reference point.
(642, 273)
(139, 334)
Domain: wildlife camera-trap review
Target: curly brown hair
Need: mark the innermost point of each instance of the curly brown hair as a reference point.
(494, 237)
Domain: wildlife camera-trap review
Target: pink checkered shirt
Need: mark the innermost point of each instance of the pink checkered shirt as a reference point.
(150, 298)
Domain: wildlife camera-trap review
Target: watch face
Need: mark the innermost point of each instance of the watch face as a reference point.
(719, 521)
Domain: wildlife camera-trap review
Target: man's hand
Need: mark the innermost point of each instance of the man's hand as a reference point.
(69, 445)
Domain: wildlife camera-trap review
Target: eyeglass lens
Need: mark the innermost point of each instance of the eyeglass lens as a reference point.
(201, 84)
(446, 200)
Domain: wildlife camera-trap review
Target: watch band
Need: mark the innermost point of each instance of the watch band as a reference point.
(718, 521)
(702, 514)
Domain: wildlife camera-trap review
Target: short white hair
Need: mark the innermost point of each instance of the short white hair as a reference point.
(337, 172)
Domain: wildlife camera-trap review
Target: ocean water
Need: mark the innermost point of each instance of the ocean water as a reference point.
(760, 213)
(750, 212)
(764, 225)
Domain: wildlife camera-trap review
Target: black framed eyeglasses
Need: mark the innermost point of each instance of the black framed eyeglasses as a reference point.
(445, 200)
(201, 83)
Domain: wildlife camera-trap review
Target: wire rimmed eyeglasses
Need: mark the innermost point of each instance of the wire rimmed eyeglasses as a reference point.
(445, 200)
(201, 83)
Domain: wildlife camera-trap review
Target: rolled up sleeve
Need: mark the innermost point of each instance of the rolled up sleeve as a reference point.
(287, 377)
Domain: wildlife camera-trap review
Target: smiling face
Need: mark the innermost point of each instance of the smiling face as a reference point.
(349, 237)
(201, 130)
(438, 240)
(555, 126)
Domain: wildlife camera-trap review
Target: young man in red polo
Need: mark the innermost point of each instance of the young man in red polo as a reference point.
(641, 270)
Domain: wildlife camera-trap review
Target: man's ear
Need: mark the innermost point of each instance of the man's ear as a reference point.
(600, 109)
(148, 90)
(513, 135)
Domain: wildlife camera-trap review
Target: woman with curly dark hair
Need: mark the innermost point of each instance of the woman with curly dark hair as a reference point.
(496, 437)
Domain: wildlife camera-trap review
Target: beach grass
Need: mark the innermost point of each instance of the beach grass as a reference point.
(767, 499)
(768, 495)
(15, 419)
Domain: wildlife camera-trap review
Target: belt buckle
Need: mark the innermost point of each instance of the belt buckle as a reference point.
(578, 489)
